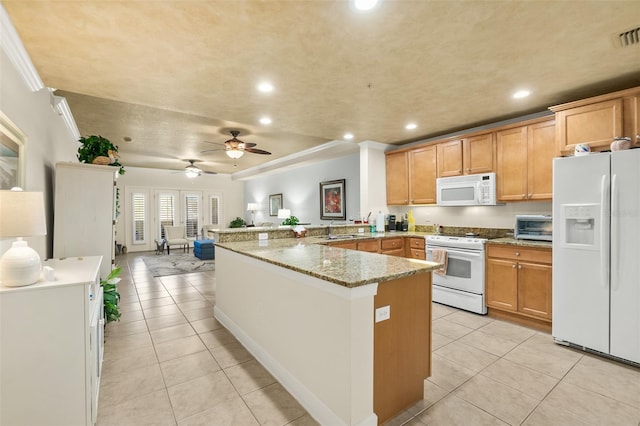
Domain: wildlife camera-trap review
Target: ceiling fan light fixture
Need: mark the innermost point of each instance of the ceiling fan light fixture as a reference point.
(235, 153)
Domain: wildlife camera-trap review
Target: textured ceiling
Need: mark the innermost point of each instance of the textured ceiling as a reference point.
(174, 74)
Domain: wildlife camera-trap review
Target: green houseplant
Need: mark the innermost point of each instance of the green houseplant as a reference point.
(291, 220)
(111, 295)
(238, 222)
(98, 150)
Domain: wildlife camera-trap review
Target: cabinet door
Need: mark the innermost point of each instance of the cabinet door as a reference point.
(541, 148)
(534, 289)
(422, 175)
(370, 246)
(595, 124)
(502, 284)
(450, 158)
(478, 153)
(511, 162)
(397, 168)
(351, 245)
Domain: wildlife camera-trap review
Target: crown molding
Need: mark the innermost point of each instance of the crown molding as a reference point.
(62, 108)
(13, 47)
(326, 151)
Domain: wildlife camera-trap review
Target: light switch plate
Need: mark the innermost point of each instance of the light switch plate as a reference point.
(361, 230)
(263, 236)
(383, 313)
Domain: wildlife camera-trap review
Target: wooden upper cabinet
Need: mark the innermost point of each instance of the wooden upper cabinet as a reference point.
(595, 124)
(422, 175)
(450, 158)
(597, 121)
(511, 164)
(524, 162)
(478, 154)
(397, 168)
(541, 142)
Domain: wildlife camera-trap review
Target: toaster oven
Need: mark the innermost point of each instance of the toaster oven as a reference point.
(533, 227)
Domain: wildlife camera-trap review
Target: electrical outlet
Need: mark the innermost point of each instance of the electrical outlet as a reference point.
(263, 236)
(360, 230)
(383, 313)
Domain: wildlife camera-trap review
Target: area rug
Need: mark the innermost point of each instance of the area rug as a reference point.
(177, 263)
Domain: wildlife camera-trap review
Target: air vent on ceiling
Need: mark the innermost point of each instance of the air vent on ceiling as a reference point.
(629, 38)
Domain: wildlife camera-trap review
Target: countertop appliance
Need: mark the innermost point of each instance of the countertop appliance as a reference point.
(533, 227)
(596, 269)
(467, 190)
(462, 285)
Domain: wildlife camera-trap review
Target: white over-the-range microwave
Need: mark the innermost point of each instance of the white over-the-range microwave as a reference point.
(467, 190)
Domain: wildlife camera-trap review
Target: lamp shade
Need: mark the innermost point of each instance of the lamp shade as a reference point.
(235, 153)
(22, 214)
(284, 214)
(252, 207)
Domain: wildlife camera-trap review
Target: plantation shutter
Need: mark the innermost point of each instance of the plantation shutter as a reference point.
(167, 211)
(215, 210)
(139, 227)
(192, 211)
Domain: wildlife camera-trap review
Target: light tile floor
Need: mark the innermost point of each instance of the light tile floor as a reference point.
(169, 362)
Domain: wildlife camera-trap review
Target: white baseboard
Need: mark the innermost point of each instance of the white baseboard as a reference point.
(314, 406)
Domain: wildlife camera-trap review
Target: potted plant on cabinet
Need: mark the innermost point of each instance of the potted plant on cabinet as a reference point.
(98, 150)
(111, 295)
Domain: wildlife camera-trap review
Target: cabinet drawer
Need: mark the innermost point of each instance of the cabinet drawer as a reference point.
(371, 246)
(519, 253)
(391, 244)
(416, 243)
(417, 254)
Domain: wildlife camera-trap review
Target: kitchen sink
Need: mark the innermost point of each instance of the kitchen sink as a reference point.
(344, 236)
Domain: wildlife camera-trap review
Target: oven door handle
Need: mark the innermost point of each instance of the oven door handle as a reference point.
(459, 252)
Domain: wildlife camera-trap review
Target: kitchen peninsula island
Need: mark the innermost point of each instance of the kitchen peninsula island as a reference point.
(347, 333)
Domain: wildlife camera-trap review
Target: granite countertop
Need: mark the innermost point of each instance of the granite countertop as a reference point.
(348, 268)
(522, 243)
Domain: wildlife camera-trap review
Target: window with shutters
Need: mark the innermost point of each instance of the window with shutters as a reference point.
(139, 223)
(214, 208)
(192, 215)
(166, 212)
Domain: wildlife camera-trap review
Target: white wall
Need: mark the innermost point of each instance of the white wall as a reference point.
(231, 193)
(300, 190)
(48, 141)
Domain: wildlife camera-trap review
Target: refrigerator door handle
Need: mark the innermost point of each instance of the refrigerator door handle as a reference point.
(615, 234)
(604, 260)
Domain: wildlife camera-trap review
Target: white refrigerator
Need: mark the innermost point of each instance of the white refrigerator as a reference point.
(596, 254)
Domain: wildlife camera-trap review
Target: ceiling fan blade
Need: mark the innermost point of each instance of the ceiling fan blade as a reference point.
(212, 150)
(249, 144)
(257, 151)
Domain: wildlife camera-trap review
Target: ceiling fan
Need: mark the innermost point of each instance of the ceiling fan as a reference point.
(235, 148)
(193, 171)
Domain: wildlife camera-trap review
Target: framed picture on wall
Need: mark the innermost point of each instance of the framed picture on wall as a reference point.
(275, 204)
(333, 200)
(11, 154)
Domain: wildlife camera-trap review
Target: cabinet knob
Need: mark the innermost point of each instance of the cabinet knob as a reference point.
(513, 266)
(517, 253)
(519, 266)
(530, 195)
(524, 196)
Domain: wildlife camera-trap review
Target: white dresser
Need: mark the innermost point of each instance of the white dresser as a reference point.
(51, 345)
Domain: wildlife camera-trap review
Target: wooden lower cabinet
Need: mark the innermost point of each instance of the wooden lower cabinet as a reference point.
(518, 284)
(415, 248)
(392, 246)
(402, 345)
(371, 246)
(351, 245)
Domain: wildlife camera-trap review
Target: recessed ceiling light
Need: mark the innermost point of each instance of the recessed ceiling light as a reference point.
(411, 126)
(521, 94)
(364, 5)
(265, 87)
(348, 136)
(265, 120)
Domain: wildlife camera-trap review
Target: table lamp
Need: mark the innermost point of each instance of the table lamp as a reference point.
(252, 207)
(21, 215)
